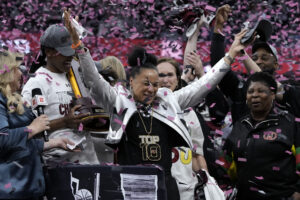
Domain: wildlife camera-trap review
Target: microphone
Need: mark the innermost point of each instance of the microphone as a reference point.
(38, 104)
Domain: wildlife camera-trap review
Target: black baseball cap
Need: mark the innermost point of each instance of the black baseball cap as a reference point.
(58, 37)
(266, 46)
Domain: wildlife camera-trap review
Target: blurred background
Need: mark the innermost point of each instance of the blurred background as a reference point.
(118, 25)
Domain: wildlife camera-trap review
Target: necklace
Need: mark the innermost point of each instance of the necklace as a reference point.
(148, 132)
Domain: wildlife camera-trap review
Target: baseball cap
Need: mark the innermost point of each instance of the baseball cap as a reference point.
(265, 46)
(58, 38)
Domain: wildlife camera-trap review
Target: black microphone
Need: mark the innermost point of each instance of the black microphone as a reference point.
(38, 104)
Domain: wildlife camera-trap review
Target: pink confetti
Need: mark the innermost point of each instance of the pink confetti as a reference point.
(192, 123)
(297, 119)
(3, 133)
(243, 57)
(165, 93)
(219, 162)
(22, 21)
(210, 8)
(238, 143)
(8, 185)
(80, 128)
(288, 152)
(259, 177)
(242, 159)
(170, 118)
(219, 132)
(278, 130)
(208, 86)
(275, 168)
(58, 84)
(256, 136)
(212, 105)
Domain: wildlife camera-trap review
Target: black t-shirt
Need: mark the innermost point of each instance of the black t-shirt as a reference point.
(139, 147)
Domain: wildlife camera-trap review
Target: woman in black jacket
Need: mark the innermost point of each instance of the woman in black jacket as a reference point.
(264, 146)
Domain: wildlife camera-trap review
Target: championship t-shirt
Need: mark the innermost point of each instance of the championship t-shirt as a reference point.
(139, 147)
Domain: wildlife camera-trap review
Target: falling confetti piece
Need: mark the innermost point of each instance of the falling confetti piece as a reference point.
(170, 118)
(8, 185)
(275, 168)
(255, 136)
(80, 128)
(208, 86)
(288, 152)
(219, 162)
(259, 177)
(212, 105)
(242, 159)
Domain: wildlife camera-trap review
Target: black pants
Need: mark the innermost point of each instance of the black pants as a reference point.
(172, 189)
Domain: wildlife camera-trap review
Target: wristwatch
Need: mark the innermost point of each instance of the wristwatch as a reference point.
(231, 60)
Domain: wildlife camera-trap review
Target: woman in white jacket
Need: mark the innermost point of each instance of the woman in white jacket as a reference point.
(147, 121)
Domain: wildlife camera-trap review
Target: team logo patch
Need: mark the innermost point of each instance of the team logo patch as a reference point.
(270, 135)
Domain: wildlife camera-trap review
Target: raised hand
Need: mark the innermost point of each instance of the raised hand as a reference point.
(236, 47)
(68, 25)
(221, 17)
(194, 59)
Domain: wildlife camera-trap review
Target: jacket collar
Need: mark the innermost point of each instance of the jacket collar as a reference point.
(271, 119)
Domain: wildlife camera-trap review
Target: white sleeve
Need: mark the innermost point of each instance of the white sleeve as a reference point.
(192, 94)
(101, 91)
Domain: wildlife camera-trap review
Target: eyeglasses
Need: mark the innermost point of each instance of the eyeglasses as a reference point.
(263, 57)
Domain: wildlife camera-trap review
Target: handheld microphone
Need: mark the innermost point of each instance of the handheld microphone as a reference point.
(38, 104)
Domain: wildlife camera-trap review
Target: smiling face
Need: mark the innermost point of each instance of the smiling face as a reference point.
(265, 60)
(259, 98)
(58, 63)
(145, 85)
(167, 75)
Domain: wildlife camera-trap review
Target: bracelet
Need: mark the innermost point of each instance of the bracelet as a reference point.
(231, 60)
(76, 45)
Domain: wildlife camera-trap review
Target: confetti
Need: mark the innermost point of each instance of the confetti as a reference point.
(259, 177)
(80, 128)
(170, 118)
(8, 185)
(242, 159)
(212, 105)
(208, 86)
(255, 136)
(275, 168)
(288, 152)
(219, 162)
